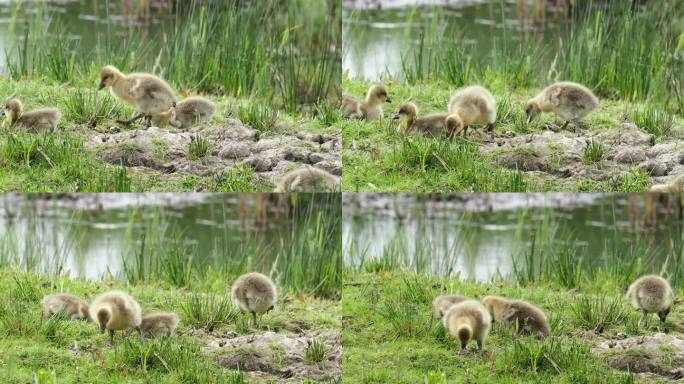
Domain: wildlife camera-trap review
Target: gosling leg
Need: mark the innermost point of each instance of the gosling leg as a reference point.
(111, 337)
(254, 320)
(131, 120)
(490, 127)
(565, 125)
(148, 121)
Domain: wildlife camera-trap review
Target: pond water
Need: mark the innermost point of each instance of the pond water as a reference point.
(83, 21)
(91, 235)
(375, 40)
(461, 238)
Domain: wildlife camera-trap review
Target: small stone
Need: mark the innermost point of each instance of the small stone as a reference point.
(630, 156)
(235, 151)
(654, 168)
(259, 163)
(297, 154)
(316, 157)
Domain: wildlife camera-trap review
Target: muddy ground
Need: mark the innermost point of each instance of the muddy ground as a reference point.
(276, 356)
(559, 156)
(231, 144)
(657, 358)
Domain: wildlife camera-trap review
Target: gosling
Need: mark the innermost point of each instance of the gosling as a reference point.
(308, 179)
(73, 307)
(185, 114)
(371, 108)
(442, 303)
(468, 106)
(527, 318)
(570, 101)
(116, 311)
(254, 293)
(159, 324)
(149, 94)
(468, 320)
(651, 294)
(674, 186)
(45, 119)
(430, 125)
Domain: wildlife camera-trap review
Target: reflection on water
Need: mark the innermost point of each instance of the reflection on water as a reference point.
(84, 22)
(91, 238)
(442, 238)
(376, 41)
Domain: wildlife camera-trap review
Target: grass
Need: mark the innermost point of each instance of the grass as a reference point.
(198, 147)
(52, 350)
(654, 120)
(420, 350)
(378, 158)
(259, 116)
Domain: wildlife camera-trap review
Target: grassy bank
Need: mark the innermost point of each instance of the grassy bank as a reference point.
(630, 56)
(389, 335)
(67, 160)
(377, 157)
(42, 350)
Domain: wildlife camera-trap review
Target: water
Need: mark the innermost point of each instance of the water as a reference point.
(90, 235)
(374, 41)
(83, 21)
(480, 244)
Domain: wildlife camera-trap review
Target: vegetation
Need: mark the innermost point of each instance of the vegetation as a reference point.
(589, 46)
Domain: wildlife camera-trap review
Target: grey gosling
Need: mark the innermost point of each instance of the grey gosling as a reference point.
(674, 186)
(369, 109)
(308, 179)
(186, 113)
(527, 318)
(254, 293)
(44, 119)
(149, 94)
(159, 324)
(116, 311)
(432, 124)
(651, 294)
(73, 307)
(466, 321)
(570, 101)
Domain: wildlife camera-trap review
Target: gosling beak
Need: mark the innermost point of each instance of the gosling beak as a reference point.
(388, 100)
(103, 327)
(396, 117)
(101, 86)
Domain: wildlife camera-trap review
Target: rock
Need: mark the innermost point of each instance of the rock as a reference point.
(526, 159)
(654, 168)
(234, 151)
(316, 157)
(630, 156)
(297, 154)
(280, 355)
(628, 134)
(333, 167)
(660, 354)
(259, 163)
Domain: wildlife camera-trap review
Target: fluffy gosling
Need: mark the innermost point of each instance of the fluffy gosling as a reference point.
(674, 186)
(527, 318)
(72, 306)
(430, 125)
(651, 294)
(466, 321)
(45, 119)
(371, 108)
(149, 94)
(442, 303)
(116, 311)
(308, 179)
(570, 101)
(254, 293)
(468, 106)
(159, 324)
(185, 114)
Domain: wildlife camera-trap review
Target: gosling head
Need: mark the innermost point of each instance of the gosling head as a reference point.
(532, 110)
(12, 108)
(377, 95)
(167, 117)
(454, 124)
(407, 109)
(663, 314)
(109, 76)
(103, 317)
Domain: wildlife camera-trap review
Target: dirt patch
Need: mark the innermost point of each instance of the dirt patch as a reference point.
(659, 354)
(278, 355)
(229, 145)
(560, 156)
